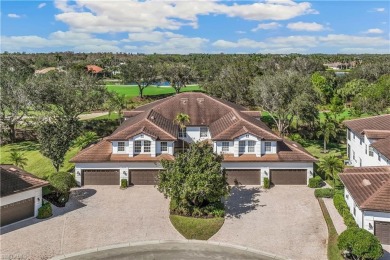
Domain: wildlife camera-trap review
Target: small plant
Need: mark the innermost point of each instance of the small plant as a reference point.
(266, 183)
(315, 182)
(360, 244)
(45, 211)
(324, 193)
(123, 184)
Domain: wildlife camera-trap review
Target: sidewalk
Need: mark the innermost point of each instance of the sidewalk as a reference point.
(338, 221)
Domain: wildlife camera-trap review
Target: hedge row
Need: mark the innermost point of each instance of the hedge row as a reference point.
(315, 182)
(342, 208)
(214, 209)
(324, 193)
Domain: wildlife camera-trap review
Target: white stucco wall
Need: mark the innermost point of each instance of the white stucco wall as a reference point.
(193, 134)
(123, 168)
(352, 205)
(265, 167)
(362, 153)
(36, 193)
(370, 216)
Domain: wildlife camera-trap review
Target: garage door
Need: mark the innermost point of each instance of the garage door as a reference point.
(101, 177)
(243, 177)
(143, 177)
(17, 211)
(382, 231)
(289, 177)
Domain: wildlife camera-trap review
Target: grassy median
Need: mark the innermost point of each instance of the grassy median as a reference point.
(196, 228)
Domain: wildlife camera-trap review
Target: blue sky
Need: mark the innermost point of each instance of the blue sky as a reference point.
(202, 26)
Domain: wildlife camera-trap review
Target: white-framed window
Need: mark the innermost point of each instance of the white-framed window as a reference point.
(366, 149)
(241, 147)
(370, 151)
(164, 146)
(379, 157)
(251, 146)
(353, 155)
(225, 146)
(361, 141)
(346, 196)
(142, 146)
(349, 134)
(121, 146)
(203, 132)
(353, 136)
(267, 146)
(360, 162)
(354, 211)
(182, 132)
(137, 146)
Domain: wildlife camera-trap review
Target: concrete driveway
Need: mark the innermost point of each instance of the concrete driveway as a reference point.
(285, 220)
(95, 216)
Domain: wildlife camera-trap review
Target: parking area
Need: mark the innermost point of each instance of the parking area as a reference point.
(95, 216)
(285, 220)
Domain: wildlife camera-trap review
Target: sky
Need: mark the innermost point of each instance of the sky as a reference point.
(196, 26)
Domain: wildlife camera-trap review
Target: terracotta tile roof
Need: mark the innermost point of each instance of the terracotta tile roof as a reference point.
(256, 114)
(102, 152)
(288, 152)
(15, 180)
(131, 113)
(383, 147)
(369, 187)
(94, 69)
(376, 134)
(358, 126)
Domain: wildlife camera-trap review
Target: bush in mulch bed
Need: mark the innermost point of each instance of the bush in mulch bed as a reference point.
(57, 199)
(45, 211)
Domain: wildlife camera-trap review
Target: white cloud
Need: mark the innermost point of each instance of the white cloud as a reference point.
(302, 26)
(365, 50)
(71, 40)
(14, 16)
(240, 32)
(374, 31)
(352, 41)
(379, 9)
(266, 26)
(155, 36)
(41, 5)
(104, 16)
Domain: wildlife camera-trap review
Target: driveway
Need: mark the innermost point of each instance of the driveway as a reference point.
(285, 220)
(95, 216)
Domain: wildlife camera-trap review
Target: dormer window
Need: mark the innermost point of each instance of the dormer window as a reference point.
(251, 146)
(182, 132)
(203, 132)
(121, 146)
(267, 146)
(142, 146)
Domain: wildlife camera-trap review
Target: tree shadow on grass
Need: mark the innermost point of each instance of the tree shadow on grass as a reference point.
(75, 202)
(26, 146)
(242, 200)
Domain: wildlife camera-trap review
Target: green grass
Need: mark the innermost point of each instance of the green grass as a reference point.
(316, 148)
(332, 250)
(37, 164)
(196, 228)
(132, 91)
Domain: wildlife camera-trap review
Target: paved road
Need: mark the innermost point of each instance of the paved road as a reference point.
(285, 220)
(92, 115)
(174, 250)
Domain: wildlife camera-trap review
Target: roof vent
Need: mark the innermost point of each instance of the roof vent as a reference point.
(295, 145)
(234, 118)
(13, 169)
(184, 101)
(200, 100)
(366, 182)
(152, 117)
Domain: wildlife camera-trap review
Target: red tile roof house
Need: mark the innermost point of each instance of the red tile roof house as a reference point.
(368, 141)
(251, 150)
(367, 193)
(21, 194)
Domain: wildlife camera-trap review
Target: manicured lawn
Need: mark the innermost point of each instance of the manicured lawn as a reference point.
(197, 228)
(315, 147)
(333, 250)
(131, 91)
(37, 164)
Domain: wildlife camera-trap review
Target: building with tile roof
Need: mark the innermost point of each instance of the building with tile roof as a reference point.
(252, 151)
(368, 141)
(367, 193)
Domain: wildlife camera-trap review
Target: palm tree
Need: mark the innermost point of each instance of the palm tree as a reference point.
(327, 129)
(181, 119)
(18, 159)
(331, 165)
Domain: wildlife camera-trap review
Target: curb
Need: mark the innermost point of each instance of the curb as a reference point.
(154, 242)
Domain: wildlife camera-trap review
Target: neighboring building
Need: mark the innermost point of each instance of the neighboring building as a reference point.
(21, 194)
(251, 150)
(368, 141)
(367, 193)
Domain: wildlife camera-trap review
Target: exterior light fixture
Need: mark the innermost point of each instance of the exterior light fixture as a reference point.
(125, 173)
(78, 173)
(266, 173)
(38, 199)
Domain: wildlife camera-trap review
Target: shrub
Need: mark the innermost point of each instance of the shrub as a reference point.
(45, 211)
(266, 183)
(360, 243)
(62, 181)
(123, 183)
(315, 182)
(324, 193)
(218, 213)
(342, 208)
(214, 209)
